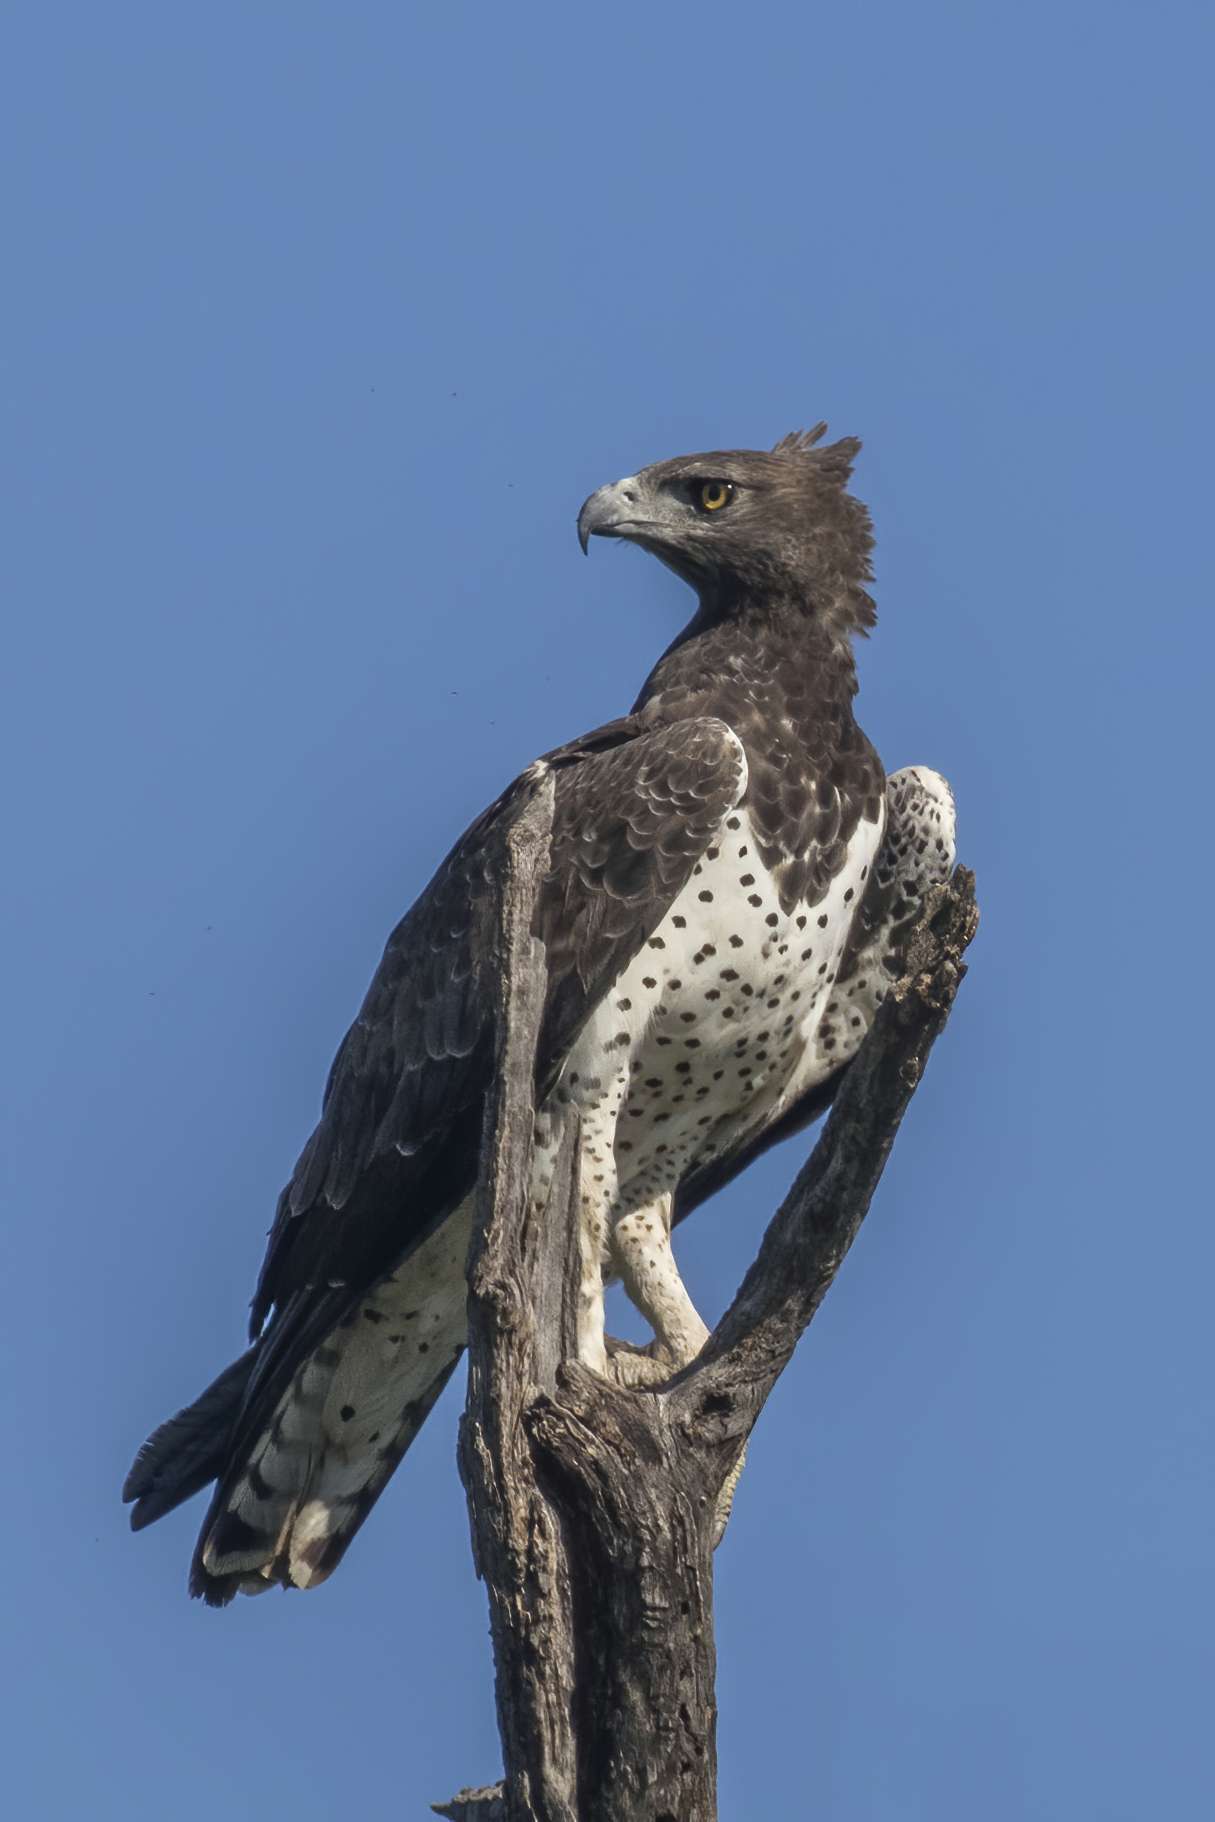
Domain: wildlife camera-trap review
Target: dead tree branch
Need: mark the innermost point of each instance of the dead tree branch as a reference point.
(593, 1503)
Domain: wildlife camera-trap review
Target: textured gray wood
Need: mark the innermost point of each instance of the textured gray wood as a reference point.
(485, 1804)
(516, 1269)
(593, 1503)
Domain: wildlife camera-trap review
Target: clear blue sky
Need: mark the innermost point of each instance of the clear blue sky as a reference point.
(319, 323)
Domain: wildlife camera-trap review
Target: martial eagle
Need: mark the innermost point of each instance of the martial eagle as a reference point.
(730, 885)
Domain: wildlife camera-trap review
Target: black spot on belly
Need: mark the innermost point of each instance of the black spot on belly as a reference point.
(347, 1412)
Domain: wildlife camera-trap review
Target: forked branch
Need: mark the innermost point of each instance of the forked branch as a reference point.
(593, 1503)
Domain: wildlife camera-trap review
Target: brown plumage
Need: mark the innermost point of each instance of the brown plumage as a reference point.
(746, 720)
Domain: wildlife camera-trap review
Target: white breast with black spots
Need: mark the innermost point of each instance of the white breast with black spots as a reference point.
(703, 1032)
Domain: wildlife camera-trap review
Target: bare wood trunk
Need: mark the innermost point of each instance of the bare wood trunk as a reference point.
(638, 1524)
(593, 1504)
(516, 1532)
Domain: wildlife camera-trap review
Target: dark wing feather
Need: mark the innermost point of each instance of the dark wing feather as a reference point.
(629, 825)
(396, 1146)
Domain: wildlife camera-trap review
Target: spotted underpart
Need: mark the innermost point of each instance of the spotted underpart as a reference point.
(707, 1032)
(734, 1013)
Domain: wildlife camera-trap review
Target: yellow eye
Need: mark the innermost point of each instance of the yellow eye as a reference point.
(714, 495)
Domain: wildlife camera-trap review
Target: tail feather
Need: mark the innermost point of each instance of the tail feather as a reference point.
(301, 1444)
(294, 1507)
(307, 1460)
(190, 1450)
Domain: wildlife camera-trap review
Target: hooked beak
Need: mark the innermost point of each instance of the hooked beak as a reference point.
(611, 512)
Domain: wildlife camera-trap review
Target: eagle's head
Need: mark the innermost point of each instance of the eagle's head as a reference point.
(747, 526)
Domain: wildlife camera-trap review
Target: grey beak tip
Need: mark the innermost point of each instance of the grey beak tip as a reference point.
(586, 523)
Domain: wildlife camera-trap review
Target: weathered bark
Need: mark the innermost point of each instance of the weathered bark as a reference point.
(593, 1503)
(513, 1268)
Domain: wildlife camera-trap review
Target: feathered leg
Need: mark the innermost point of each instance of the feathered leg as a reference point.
(641, 1243)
